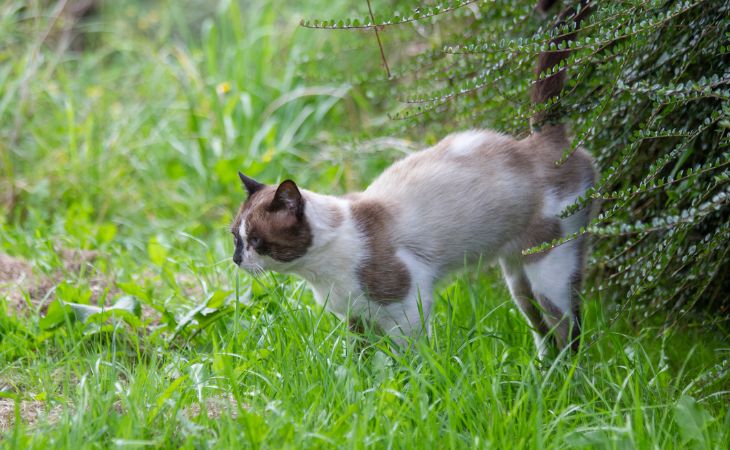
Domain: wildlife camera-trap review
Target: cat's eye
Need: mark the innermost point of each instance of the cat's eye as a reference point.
(255, 241)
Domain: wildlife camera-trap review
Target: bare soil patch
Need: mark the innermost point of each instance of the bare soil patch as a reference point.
(16, 275)
(31, 412)
(18, 280)
(215, 407)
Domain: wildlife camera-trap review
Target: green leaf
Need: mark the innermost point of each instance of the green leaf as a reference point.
(56, 315)
(126, 308)
(106, 232)
(205, 312)
(83, 312)
(692, 420)
(156, 252)
(135, 289)
(68, 292)
(165, 396)
(218, 299)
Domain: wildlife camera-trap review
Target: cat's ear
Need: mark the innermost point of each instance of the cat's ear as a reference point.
(252, 186)
(288, 197)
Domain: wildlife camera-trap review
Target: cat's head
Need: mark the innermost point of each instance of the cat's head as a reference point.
(270, 231)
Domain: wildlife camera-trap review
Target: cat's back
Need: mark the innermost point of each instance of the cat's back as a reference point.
(472, 189)
(477, 190)
(480, 162)
(460, 159)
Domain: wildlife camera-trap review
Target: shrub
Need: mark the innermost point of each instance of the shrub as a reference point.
(647, 95)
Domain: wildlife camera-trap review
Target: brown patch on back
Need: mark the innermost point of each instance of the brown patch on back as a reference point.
(285, 237)
(522, 163)
(383, 277)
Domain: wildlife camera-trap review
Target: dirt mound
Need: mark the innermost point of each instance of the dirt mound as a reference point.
(31, 411)
(13, 269)
(17, 279)
(15, 276)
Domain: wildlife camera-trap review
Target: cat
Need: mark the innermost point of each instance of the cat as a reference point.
(373, 257)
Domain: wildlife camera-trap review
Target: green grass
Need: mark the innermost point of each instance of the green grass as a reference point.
(131, 148)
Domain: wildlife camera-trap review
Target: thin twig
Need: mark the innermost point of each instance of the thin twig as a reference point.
(377, 36)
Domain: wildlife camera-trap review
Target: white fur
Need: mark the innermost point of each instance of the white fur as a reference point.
(466, 197)
(550, 276)
(250, 260)
(465, 143)
(515, 277)
(330, 265)
(451, 207)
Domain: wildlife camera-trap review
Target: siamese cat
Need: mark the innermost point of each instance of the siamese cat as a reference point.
(373, 257)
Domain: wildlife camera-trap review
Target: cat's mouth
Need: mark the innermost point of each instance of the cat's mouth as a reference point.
(251, 269)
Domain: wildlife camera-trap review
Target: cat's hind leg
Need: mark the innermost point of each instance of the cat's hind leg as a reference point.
(519, 287)
(408, 317)
(555, 279)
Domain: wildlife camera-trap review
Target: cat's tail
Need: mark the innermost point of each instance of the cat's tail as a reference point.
(547, 120)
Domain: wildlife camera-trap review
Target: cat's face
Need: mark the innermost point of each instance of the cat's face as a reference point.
(270, 231)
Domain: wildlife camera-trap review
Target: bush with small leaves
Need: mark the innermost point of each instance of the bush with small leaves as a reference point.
(647, 94)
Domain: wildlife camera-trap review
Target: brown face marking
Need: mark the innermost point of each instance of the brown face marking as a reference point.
(275, 223)
(383, 277)
(236, 225)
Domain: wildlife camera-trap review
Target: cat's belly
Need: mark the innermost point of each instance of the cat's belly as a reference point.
(345, 300)
(350, 299)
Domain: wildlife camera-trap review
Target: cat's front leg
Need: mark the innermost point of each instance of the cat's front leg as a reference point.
(406, 318)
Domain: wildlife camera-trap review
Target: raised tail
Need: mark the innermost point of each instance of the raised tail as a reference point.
(546, 88)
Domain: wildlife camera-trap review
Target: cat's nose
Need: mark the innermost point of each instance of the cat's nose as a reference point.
(237, 259)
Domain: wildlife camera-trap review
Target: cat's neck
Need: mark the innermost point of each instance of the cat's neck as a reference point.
(337, 246)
